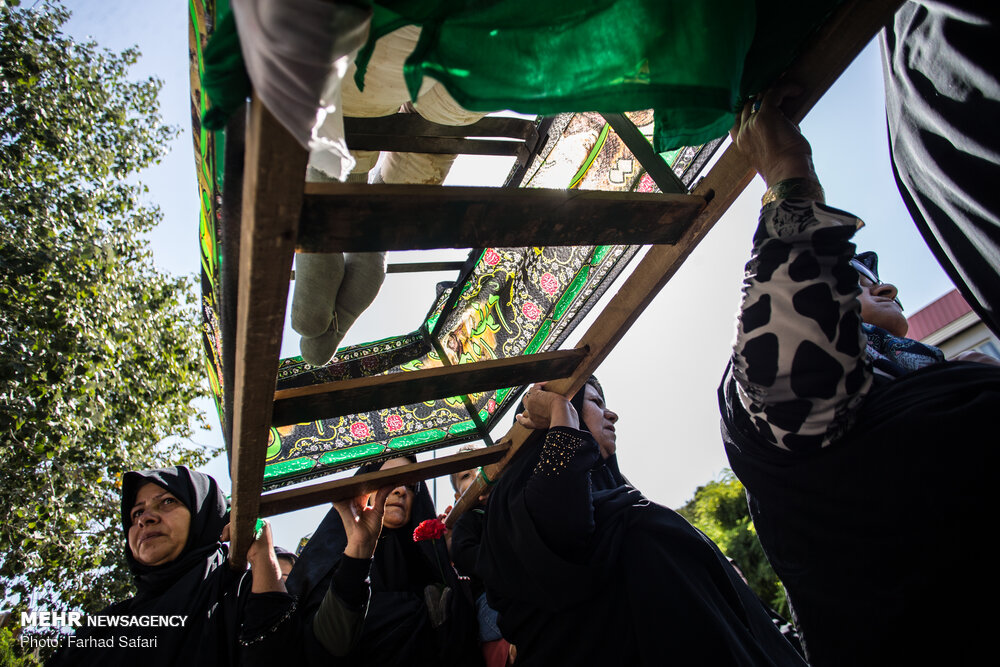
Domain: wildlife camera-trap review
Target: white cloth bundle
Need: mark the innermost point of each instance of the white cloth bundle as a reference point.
(296, 54)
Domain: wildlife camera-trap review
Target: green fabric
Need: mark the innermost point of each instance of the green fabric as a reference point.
(683, 58)
(692, 61)
(225, 78)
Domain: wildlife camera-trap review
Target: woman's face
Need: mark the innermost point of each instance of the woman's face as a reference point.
(879, 307)
(399, 504)
(160, 525)
(599, 420)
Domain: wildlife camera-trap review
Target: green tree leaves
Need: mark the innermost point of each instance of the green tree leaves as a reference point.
(99, 352)
(719, 509)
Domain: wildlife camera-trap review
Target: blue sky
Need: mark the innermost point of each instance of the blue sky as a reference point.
(662, 376)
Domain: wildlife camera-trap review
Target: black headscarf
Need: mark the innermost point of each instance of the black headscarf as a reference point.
(646, 588)
(197, 585)
(605, 476)
(281, 552)
(202, 496)
(894, 355)
(397, 629)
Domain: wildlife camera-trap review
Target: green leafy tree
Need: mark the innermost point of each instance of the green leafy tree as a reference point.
(719, 509)
(11, 653)
(99, 352)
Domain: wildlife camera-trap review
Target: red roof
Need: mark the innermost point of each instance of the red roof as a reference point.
(936, 315)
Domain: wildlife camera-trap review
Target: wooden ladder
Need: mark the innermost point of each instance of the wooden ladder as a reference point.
(281, 213)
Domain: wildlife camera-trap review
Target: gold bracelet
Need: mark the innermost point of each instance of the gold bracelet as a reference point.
(794, 188)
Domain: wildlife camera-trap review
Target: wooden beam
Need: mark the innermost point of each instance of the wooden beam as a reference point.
(416, 267)
(414, 125)
(348, 397)
(366, 218)
(290, 500)
(651, 161)
(274, 173)
(230, 224)
(838, 42)
(519, 168)
(421, 267)
(435, 145)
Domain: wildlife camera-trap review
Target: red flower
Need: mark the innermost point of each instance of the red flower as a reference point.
(360, 430)
(431, 529)
(491, 257)
(531, 311)
(549, 283)
(491, 406)
(393, 422)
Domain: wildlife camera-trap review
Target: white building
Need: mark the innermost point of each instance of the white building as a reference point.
(950, 324)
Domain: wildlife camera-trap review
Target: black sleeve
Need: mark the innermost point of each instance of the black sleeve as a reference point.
(274, 630)
(350, 580)
(339, 620)
(271, 624)
(465, 539)
(558, 493)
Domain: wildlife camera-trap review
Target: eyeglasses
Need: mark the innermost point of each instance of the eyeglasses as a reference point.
(865, 272)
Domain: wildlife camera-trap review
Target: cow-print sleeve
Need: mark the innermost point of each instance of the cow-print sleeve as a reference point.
(798, 359)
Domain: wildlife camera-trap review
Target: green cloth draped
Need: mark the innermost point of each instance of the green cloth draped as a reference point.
(224, 78)
(692, 61)
(682, 58)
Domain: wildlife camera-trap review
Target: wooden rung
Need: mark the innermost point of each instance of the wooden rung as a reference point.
(411, 124)
(422, 267)
(417, 267)
(348, 397)
(651, 161)
(435, 145)
(290, 500)
(354, 217)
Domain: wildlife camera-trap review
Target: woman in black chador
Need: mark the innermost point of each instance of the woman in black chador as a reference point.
(206, 613)
(419, 612)
(173, 519)
(585, 570)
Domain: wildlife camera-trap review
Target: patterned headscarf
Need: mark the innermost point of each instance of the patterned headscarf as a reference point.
(893, 354)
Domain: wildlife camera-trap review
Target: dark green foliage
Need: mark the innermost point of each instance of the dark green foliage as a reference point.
(719, 509)
(11, 653)
(99, 353)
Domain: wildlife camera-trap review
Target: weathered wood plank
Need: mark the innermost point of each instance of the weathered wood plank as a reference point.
(416, 267)
(414, 125)
(536, 145)
(274, 173)
(365, 218)
(422, 267)
(348, 397)
(839, 41)
(655, 166)
(230, 227)
(434, 145)
(290, 500)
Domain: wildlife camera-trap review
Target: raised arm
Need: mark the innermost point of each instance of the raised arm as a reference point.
(798, 364)
(273, 629)
(338, 622)
(558, 495)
